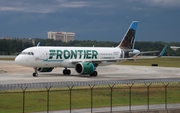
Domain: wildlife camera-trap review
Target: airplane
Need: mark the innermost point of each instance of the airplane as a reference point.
(84, 60)
(174, 47)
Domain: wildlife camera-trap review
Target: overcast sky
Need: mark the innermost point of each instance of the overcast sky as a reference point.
(102, 20)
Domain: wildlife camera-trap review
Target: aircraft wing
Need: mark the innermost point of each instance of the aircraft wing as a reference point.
(161, 54)
(147, 52)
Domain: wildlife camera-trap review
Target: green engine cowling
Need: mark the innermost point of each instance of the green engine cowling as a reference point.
(84, 68)
(45, 69)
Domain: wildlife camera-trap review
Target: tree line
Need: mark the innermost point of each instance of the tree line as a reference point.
(14, 47)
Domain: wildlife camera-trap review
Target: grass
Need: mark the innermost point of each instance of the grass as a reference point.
(7, 58)
(11, 102)
(163, 62)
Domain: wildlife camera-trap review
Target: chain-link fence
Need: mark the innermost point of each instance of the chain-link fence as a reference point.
(35, 97)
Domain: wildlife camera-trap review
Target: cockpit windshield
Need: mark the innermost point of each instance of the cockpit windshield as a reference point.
(27, 53)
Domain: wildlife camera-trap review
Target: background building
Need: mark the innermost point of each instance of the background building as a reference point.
(6, 37)
(30, 40)
(174, 47)
(63, 36)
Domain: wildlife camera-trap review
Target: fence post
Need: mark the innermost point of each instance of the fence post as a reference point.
(148, 85)
(165, 94)
(23, 89)
(48, 89)
(70, 91)
(111, 87)
(130, 86)
(91, 87)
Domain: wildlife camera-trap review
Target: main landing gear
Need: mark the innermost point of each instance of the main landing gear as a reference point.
(95, 73)
(66, 71)
(35, 74)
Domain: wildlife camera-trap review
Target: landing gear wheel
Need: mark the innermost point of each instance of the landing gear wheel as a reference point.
(35, 74)
(95, 73)
(66, 72)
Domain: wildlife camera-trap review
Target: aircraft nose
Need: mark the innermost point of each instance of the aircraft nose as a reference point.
(23, 60)
(17, 60)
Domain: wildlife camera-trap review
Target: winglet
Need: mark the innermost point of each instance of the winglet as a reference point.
(162, 52)
(38, 44)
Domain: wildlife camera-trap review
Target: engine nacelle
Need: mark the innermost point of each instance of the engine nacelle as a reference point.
(45, 69)
(134, 52)
(84, 68)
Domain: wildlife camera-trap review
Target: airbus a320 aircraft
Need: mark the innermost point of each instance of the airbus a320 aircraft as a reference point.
(85, 60)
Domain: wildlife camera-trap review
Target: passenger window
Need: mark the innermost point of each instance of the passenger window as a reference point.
(32, 53)
(29, 53)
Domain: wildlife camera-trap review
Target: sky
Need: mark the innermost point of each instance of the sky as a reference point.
(101, 20)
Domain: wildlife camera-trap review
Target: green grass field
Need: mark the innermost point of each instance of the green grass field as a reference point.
(7, 58)
(11, 102)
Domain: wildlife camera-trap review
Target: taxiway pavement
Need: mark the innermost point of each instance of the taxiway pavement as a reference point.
(11, 73)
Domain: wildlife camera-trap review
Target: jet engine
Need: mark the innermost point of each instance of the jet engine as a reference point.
(133, 53)
(85, 68)
(45, 69)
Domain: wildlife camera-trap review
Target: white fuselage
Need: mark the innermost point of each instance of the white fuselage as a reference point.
(43, 56)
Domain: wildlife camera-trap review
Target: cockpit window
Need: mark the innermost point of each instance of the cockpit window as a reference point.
(24, 53)
(27, 53)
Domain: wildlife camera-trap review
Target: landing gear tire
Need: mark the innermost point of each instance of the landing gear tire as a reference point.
(66, 72)
(95, 73)
(35, 74)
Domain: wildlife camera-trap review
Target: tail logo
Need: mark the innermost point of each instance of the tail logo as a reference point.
(127, 43)
(129, 38)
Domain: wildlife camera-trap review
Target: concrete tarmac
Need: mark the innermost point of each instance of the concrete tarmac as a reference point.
(12, 73)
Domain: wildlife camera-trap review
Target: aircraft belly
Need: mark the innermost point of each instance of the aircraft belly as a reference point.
(53, 64)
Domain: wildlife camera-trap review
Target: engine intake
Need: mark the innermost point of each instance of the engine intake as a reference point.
(84, 68)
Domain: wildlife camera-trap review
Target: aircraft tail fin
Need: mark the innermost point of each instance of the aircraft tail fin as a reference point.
(128, 40)
(38, 44)
(162, 52)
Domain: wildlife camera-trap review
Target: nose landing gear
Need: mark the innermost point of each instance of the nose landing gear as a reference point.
(35, 74)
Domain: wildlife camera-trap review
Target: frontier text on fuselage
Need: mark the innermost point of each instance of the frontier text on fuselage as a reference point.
(73, 54)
